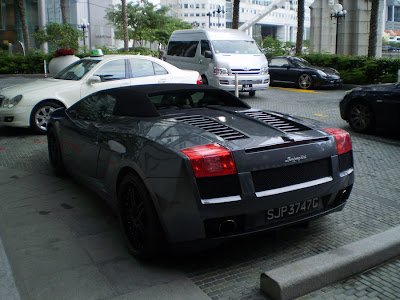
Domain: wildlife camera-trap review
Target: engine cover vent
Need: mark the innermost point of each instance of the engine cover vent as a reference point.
(276, 121)
(212, 126)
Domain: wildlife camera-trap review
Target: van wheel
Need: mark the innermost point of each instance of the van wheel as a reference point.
(204, 79)
(252, 93)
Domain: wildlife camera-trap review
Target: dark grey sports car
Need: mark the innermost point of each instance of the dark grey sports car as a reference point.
(185, 163)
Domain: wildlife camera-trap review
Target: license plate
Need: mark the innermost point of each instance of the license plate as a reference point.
(247, 87)
(297, 208)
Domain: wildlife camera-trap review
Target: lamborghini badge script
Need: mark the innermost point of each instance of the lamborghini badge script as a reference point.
(295, 159)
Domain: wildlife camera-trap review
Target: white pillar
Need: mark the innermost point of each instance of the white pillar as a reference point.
(42, 22)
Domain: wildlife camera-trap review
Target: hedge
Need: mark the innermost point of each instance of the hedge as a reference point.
(358, 69)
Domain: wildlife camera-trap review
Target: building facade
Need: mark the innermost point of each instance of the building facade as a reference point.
(392, 15)
(280, 24)
(347, 35)
(85, 15)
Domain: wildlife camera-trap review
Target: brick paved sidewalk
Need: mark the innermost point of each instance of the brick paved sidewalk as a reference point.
(381, 282)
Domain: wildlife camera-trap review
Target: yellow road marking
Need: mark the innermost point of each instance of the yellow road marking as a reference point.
(321, 115)
(296, 90)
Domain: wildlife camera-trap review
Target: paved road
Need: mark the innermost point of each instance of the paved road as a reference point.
(63, 243)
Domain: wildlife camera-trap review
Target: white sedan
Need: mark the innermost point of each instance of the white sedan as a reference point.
(30, 105)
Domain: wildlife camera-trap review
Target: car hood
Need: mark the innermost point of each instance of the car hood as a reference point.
(36, 85)
(377, 87)
(327, 70)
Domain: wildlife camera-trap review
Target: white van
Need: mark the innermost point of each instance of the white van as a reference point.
(217, 54)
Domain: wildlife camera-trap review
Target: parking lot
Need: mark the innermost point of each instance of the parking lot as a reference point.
(64, 243)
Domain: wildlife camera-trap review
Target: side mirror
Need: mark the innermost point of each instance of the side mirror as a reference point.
(208, 54)
(94, 79)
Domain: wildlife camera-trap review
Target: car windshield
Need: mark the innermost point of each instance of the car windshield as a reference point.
(76, 70)
(299, 62)
(236, 47)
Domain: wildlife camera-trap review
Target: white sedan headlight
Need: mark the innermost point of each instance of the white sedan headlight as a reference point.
(9, 103)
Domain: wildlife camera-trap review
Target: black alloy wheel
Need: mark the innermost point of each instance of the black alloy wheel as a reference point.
(41, 114)
(138, 218)
(361, 117)
(55, 156)
(305, 81)
(252, 93)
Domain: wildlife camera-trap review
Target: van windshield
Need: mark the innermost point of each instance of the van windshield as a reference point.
(236, 47)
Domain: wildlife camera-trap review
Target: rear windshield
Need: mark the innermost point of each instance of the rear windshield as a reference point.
(195, 99)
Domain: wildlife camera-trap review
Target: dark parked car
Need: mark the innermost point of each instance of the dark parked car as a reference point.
(297, 71)
(184, 163)
(374, 106)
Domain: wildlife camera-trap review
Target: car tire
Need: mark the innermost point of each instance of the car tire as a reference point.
(361, 117)
(252, 93)
(138, 218)
(204, 79)
(40, 115)
(55, 156)
(305, 81)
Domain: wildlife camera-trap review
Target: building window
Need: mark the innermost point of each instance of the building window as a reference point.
(185, 6)
(397, 13)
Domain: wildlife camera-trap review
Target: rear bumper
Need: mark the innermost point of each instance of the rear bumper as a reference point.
(187, 219)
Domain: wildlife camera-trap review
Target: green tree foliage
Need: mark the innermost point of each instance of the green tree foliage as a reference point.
(59, 36)
(145, 22)
(273, 47)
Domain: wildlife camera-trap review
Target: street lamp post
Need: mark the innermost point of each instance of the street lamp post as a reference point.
(84, 26)
(209, 19)
(337, 12)
(219, 11)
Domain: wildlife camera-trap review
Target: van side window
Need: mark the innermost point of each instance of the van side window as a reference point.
(205, 46)
(182, 48)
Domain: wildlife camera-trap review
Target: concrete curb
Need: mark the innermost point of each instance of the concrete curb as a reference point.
(8, 289)
(302, 277)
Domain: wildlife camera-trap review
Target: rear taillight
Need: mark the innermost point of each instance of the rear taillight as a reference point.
(199, 80)
(343, 142)
(210, 160)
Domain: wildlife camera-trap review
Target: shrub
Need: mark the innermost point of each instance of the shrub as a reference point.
(358, 69)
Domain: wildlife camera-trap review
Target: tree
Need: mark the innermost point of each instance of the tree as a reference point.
(21, 9)
(59, 36)
(235, 14)
(300, 27)
(145, 22)
(373, 28)
(63, 12)
(125, 26)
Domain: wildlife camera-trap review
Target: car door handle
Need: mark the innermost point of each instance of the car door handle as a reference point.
(162, 81)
